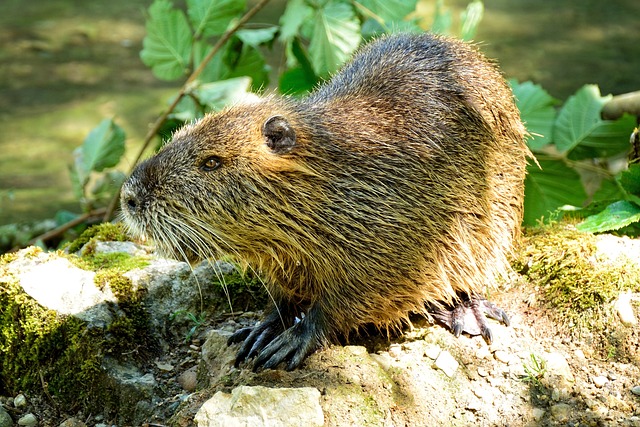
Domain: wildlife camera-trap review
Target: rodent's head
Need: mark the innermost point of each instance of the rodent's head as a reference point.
(217, 184)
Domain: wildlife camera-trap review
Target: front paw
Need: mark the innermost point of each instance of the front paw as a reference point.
(255, 338)
(291, 347)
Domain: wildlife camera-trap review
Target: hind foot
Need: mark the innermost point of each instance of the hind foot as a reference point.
(470, 316)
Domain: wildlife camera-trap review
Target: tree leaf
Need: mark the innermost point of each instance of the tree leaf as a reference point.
(245, 60)
(630, 179)
(335, 36)
(167, 45)
(219, 94)
(581, 133)
(470, 19)
(258, 36)
(607, 139)
(537, 112)
(103, 147)
(390, 10)
(212, 17)
(296, 13)
(549, 188)
(615, 216)
(442, 19)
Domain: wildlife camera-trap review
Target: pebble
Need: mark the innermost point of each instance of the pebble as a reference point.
(636, 390)
(482, 372)
(599, 381)
(189, 379)
(432, 352)
(579, 354)
(560, 412)
(538, 413)
(395, 351)
(164, 366)
(501, 356)
(5, 418)
(20, 401)
(483, 353)
(447, 363)
(72, 422)
(28, 420)
(625, 310)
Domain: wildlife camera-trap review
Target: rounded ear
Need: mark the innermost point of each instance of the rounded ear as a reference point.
(280, 136)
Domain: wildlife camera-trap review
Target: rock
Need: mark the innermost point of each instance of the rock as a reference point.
(28, 420)
(217, 357)
(538, 413)
(188, 380)
(5, 418)
(556, 365)
(129, 248)
(55, 283)
(20, 401)
(72, 422)
(636, 390)
(261, 406)
(599, 381)
(501, 356)
(625, 310)
(560, 412)
(447, 363)
(432, 351)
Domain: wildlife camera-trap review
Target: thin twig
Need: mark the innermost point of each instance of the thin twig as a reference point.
(64, 227)
(183, 90)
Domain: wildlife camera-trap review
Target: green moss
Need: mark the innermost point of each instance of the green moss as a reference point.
(40, 346)
(104, 232)
(558, 261)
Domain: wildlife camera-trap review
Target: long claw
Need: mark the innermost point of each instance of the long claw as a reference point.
(469, 316)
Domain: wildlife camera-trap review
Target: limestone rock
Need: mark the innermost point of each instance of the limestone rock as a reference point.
(261, 406)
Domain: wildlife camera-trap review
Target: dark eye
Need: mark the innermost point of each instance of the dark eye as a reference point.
(210, 164)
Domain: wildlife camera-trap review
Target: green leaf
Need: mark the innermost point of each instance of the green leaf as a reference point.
(550, 188)
(470, 19)
(608, 139)
(442, 20)
(301, 78)
(167, 45)
(614, 217)
(212, 17)
(245, 60)
(390, 10)
(537, 112)
(107, 184)
(215, 69)
(296, 13)
(219, 94)
(103, 147)
(335, 36)
(581, 133)
(258, 36)
(630, 179)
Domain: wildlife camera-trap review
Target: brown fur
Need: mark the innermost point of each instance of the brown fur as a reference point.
(404, 187)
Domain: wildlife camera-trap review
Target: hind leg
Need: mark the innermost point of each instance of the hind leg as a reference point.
(470, 315)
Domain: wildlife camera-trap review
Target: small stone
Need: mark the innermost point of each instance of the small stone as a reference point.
(5, 418)
(538, 413)
(28, 420)
(636, 390)
(501, 356)
(483, 352)
(395, 351)
(599, 381)
(72, 422)
(560, 412)
(482, 372)
(432, 352)
(20, 401)
(579, 354)
(555, 394)
(188, 380)
(447, 363)
(163, 366)
(625, 310)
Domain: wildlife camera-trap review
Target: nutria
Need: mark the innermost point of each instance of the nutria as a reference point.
(394, 188)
